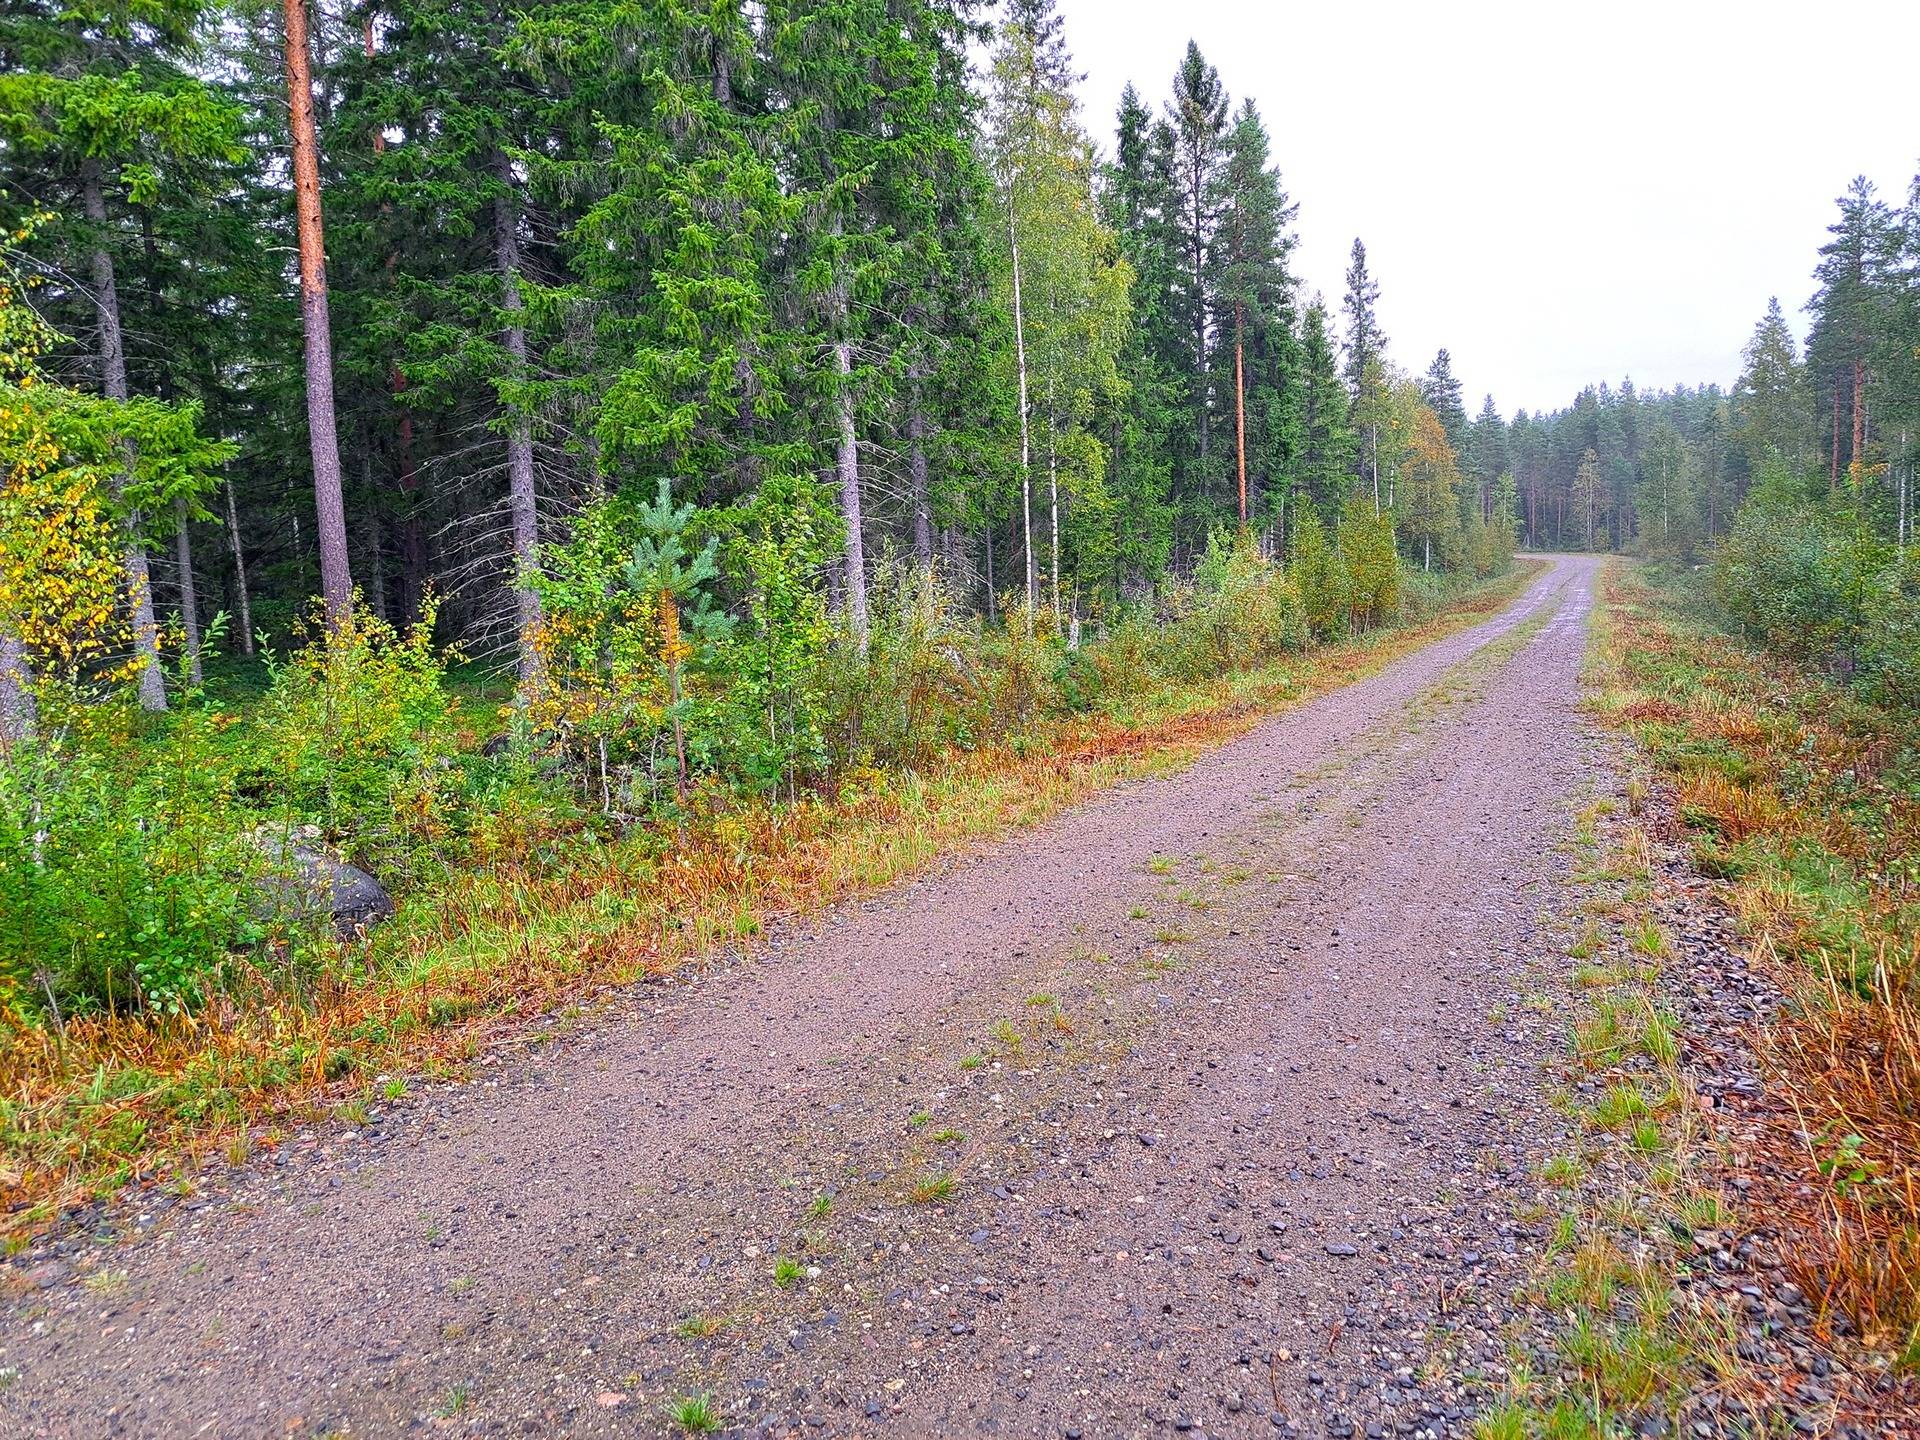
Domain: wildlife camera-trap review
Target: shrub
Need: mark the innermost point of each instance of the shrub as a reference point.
(124, 871)
(358, 734)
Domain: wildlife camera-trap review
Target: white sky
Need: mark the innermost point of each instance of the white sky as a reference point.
(1559, 192)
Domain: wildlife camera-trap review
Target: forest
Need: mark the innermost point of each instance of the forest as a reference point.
(452, 434)
(715, 401)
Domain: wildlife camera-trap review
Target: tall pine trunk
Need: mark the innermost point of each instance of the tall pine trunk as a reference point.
(113, 383)
(522, 501)
(336, 580)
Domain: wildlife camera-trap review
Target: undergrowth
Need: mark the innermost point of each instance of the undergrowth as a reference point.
(103, 1098)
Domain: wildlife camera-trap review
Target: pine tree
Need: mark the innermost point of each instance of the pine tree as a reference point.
(336, 582)
(1849, 312)
(1487, 456)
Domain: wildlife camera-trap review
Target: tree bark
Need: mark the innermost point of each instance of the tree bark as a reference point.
(522, 499)
(113, 384)
(1833, 469)
(1240, 401)
(847, 464)
(1026, 444)
(1859, 414)
(1053, 498)
(336, 579)
(239, 573)
(189, 598)
(917, 466)
(16, 692)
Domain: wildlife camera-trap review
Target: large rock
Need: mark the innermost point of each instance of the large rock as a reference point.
(304, 880)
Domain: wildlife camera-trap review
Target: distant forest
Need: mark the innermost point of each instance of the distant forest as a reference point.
(1669, 471)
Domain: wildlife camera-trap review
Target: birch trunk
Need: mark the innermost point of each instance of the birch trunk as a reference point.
(113, 384)
(16, 692)
(189, 597)
(336, 579)
(239, 573)
(1053, 498)
(1026, 444)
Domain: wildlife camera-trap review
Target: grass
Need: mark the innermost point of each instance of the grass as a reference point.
(111, 1099)
(788, 1272)
(700, 1327)
(695, 1414)
(931, 1189)
(1806, 801)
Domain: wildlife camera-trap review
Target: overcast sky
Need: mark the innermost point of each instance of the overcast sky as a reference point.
(1557, 192)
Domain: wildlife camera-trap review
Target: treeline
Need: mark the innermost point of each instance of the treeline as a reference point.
(786, 255)
(761, 398)
(1799, 484)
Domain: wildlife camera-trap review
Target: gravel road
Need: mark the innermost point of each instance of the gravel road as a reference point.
(1204, 1107)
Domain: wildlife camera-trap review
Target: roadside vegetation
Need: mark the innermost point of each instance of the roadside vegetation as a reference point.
(159, 999)
(1804, 795)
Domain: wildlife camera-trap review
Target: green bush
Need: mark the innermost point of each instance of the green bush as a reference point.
(358, 734)
(125, 877)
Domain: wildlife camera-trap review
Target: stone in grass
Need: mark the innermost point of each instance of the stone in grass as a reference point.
(304, 880)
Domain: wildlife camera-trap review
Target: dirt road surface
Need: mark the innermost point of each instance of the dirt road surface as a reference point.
(1203, 1108)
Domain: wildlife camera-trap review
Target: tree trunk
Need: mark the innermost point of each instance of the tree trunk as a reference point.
(16, 692)
(113, 384)
(373, 560)
(1833, 467)
(1053, 498)
(1200, 311)
(1240, 401)
(239, 573)
(1026, 445)
(847, 464)
(336, 580)
(189, 598)
(917, 466)
(1859, 415)
(522, 500)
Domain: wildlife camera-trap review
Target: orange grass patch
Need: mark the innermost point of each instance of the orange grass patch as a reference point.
(1835, 1163)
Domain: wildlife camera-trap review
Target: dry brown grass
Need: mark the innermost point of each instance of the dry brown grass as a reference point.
(1807, 783)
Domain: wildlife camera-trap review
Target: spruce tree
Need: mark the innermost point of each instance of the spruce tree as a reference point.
(1327, 445)
(1196, 119)
(1365, 341)
(1442, 390)
(1251, 247)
